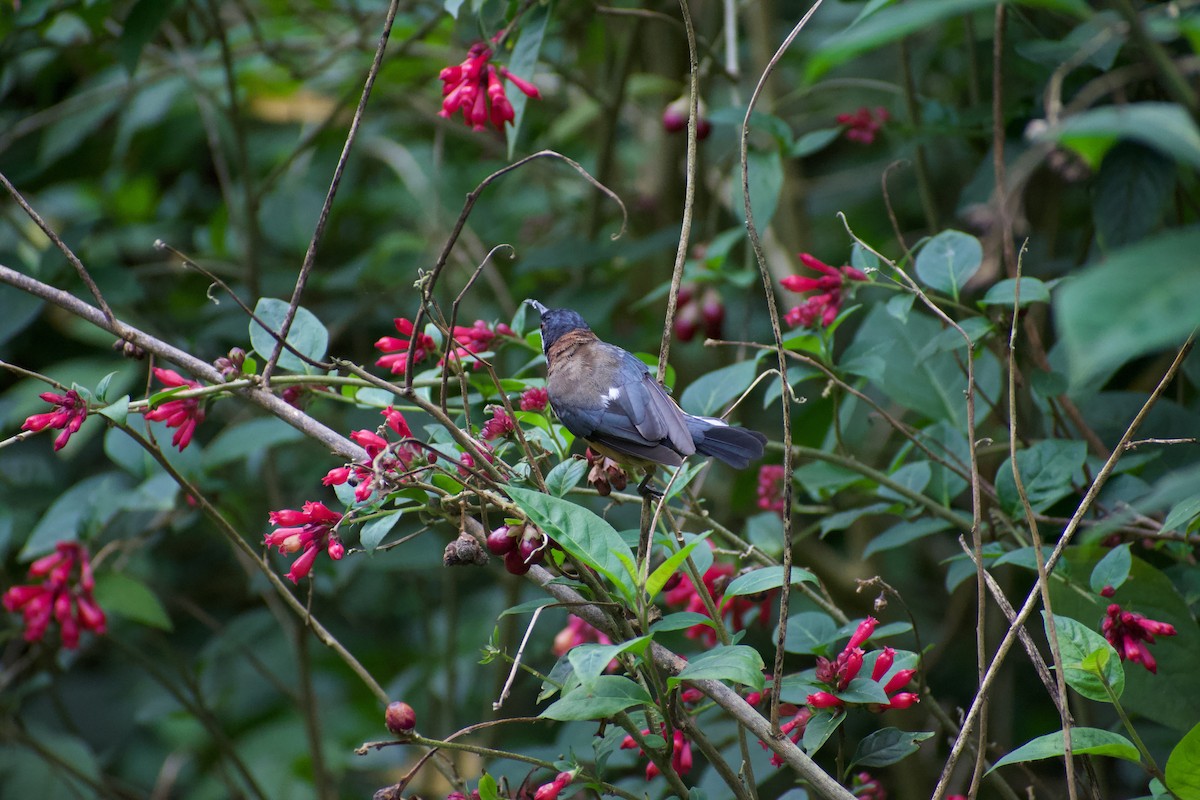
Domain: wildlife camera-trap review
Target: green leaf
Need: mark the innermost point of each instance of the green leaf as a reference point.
(1183, 767)
(887, 746)
(141, 23)
(863, 690)
(119, 593)
(581, 533)
(948, 260)
(1140, 299)
(810, 632)
(247, 439)
(488, 788)
(1165, 127)
(1113, 569)
(590, 660)
(92, 501)
(904, 533)
(1084, 741)
(1131, 193)
(737, 663)
(765, 169)
(605, 697)
(373, 531)
(680, 620)
(1004, 293)
(117, 410)
(307, 334)
(565, 476)
(522, 64)
(814, 142)
(819, 728)
(709, 394)
(663, 572)
(765, 579)
(1048, 470)
(884, 26)
(1182, 515)
(1076, 642)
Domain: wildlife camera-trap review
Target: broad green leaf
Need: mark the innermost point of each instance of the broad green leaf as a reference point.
(565, 476)
(841, 520)
(863, 690)
(1131, 193)
(765, 169)
(887, 746)
(663, 572)
(814, 142)
(1076, 642)
(709, 394)
(307, 334)
(590, 660)
(1049, 470)
(1165, 127)
(904, 533)
(117, 410)
(765, 579)
(681, 620)
(820, 728)
(522, 64)
(92, 501)
(373, 531)
(140, 25)
(1084, 741)
(1182, 515)
(489, 789)
(949, 260)
(1183, 767)
(125, 596)
(810, 632)
(607, 695)
(248, 439)
(1004, 292)
(1140, 299)
(737, 663)
(1113, 569)
(581, 533)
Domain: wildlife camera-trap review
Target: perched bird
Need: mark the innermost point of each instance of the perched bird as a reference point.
(606, 396)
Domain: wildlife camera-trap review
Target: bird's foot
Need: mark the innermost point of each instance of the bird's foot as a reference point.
(646, 490)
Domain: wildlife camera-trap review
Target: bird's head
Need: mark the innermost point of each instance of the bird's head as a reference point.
(556, 322)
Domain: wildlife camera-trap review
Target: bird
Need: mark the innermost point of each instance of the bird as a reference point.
(607, 397)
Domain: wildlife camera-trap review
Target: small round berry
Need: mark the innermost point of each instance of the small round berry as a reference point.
(400, 718)
(499, 542)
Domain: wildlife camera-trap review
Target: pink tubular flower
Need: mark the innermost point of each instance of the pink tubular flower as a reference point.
(183, 414)
(534, 399)
(310, 530)
(396, 349)
(385, 459)
(793, 729)
(822, 308)
(468, 341)
(839, 672)
(864, 124)
(1130, 633)
(499, 426)
(681, 752)
(477, 89)
(738, 609)
(576, 633)
(69, 415)
(551, 790)
(770, 488)
(64, 595)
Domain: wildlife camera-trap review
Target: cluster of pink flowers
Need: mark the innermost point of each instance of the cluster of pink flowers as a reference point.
(863, 125)
(705, 311)
(866, 787)
(383, 457)
(770, 488)
(68, 417)
(63, 595)
(534, 399)
(738, 610)
(681, 752)
(822, 308)
(838, 673)
(311, 530)
(183, 414)
(477, 89)
(499, 426)
(551, 790)
(396, 349)
(1130, 633)
(475, 339)
(576, 633)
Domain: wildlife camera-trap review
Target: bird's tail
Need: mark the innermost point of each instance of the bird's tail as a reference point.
(737, 447)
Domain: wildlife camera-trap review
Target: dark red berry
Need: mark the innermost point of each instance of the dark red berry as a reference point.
(400, 718)
(514, 563)
(499, 542)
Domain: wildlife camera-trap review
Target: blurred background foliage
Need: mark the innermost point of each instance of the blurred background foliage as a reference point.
(216, 126)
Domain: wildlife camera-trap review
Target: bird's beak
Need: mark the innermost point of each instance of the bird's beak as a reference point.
(541, 309)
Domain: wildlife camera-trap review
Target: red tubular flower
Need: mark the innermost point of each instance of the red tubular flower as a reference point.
(499, 426)
(310, 530)
(867, 788)
(793, 729)
(770, 488)
(396, 349)
(681, 752)
(534, 399)
(883, 663)
(69, 415)
(551, 790)
(576, 633)
(862, 633)
(468, 341)
(823, 700)
(183, 414)
(63, 596)
(821, 309)
(863, 124)
(1130, 633)
(739, 610)
(477, 89)
(384, 458)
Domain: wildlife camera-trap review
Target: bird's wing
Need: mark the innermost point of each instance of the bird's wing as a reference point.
(640, 408)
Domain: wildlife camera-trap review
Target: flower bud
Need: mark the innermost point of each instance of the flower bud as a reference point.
(400, 718)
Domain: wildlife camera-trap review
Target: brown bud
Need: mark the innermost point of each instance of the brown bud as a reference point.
(400, 718)
(463, 551)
